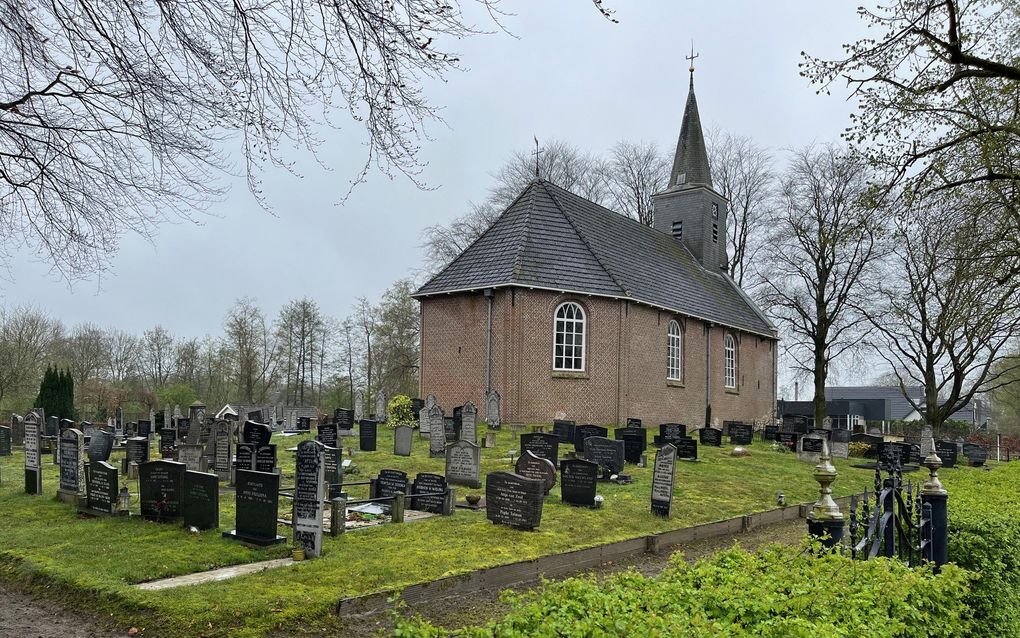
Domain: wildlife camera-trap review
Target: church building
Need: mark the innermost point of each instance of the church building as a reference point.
(570, 310)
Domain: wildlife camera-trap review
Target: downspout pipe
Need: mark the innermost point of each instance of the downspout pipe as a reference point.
(708, 375)
(490, 294)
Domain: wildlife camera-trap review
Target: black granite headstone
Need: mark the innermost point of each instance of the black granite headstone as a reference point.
(663, 477)
(578, 482)
(200, 505)
(144, 428)
(257, 433)
(333, 472)
(427, 483)
(6, 440)
(536, 467)
(670, 433)
(390, 482)
(788, 439)
(161, 484)
(686, 448)
(450, 429)
(542, 445)
(416, 408)
(741, 433)
(607, 453)
(265, 458)
(257, 498)
(328, 434)
(841, 436)
(564, 429)
(582, 432)
(138, 450)
(72, 461)
(811, 444)
(101, 487)
(344, 419)
(947, 451)
(633, 423)
(710, 436)
(633, 443)
(976, 455)
(769, 433)
(368, 431)
(514, 500)
(244, 458)
(167, 443)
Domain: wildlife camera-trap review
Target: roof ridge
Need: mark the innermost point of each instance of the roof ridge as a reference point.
(525, 234)
(584, 239)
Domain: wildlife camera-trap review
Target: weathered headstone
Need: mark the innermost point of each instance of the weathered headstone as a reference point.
(381, 407)
(468, 419)
(634, 443)
(257, 498)
(196, 422)
(514, 500)
(492, 417)
(101, 488)
(368, 432)
(947, 451)
(167, 440)
(809, 449)
(433, 484)
(33, 468)
(403, 437)
(463, 464)
(686, 448)
(168, 420)
(437, 431)
(741, 433)
(788, 440)
(72, 466)
(926, 441)
(390, 482)
(257, 433)
(710, 436)
(359, 406)
(582, 432)
(769, 433)
(605, 452)
(222, 452)
(424, 417)
(100, 446)
(6, 440)
(670, 433)
(542, 445)
(663, 477)
(17, 429)
(976, 455)
(191, 454)
(161, 485)
(578, 482)
(308, 493)
(840, 445)
(536, 467)
(565, 430)
(200, 502)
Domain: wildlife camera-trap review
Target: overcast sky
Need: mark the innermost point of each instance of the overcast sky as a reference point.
(569, 74)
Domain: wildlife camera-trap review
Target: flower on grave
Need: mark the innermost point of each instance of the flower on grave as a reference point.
(599, 500)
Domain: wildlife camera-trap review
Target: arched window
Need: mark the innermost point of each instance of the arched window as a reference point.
(730, 361)
(568, 341)
(674, 352)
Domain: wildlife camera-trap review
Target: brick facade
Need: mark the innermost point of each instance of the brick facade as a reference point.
(625, 373)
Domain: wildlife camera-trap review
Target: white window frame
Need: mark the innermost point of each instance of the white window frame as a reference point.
(578, 326)
(674, 351)
(730, 362)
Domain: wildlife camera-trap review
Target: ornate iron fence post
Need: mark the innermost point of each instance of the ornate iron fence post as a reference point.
(935, 496)
(825, 521)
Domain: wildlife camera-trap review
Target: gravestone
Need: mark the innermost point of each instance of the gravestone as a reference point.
(542, 445)
(17, 429)
(380, 407)
(137, 450)
(513, 500)
(167, 419)
(686, 448)
(333, 474)
(663, 477)
(308, 492)
(72, 465)
(769, 433)
(564, 429)
(975, 454)
(607, 453)
(257, 502)
(328, 434)
(265, 458)
(100, 446)
(257, 433)
(583, 432)
(536, 467)
(463, 464)
(822, 432)
(788, 439)
(437, 431)
(926, 441)
(144, 428)
(101, 488)
(403, 437)
(222, 451)
(468, 427)
(6, 440)
(161, 485)
(191, 455)
(245, 456)
(167, 440)
(947, 451)
(810, 448)
(368, 432)
(840, 444)
(425, 416)
(492, 417)
(183, 428)
(200, 503)
(741, 433)
(416, 406)
(87, 429)
(670, 433)
(390, 482)
(450, 428)
(359, 406)
(52, 426)
(33, 468)
(196, 422)
(710, 436)
(578, 482)
(634, 443)
(426, 483)
(633, 423)
(344, 422)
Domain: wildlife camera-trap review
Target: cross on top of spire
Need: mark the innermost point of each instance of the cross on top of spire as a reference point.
(692, 57)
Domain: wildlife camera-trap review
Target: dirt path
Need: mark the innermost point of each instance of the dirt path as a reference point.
(22, 616)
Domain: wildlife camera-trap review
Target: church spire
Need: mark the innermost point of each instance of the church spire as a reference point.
(690, 164)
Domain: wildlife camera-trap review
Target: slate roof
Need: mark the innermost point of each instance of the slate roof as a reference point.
(691, 158)
(897, 405)
(550, 238)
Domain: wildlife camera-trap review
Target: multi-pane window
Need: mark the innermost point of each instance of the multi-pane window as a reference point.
(568, 343)
(674, 352)
(730, 362)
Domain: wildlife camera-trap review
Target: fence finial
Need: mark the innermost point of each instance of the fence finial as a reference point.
(933, 485)
(825, 517)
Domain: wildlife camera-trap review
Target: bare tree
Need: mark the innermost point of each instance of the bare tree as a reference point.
(252, 345)
(297, 327)
(123, 352)
(825, 239)
(398, 339)
(113, 112)
(347, 353)
(743, 173)
(25, 336)
(636, 171)
(85, 351)
(365, 321)
(158, 356)
(951, 322)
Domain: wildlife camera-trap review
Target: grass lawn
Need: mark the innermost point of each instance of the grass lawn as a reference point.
(92, 563)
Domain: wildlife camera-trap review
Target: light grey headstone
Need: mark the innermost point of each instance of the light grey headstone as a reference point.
(221, 443)
(437, 433)
(167, 419)
(468, 421)
(403, 436)
(359, 406)
(423, 416)
(492, 418)
(663, 477)
(926, 441)
(813, 443)
(191, 454)
(463, 464)
(839, 450)
(380, 406)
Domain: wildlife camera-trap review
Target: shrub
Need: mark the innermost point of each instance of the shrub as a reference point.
(858, 448)
(399, 412)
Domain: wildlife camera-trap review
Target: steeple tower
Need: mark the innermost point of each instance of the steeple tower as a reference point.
(690, 209)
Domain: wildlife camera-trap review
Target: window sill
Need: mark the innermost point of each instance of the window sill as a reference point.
(675, 383)
(566, 374)
(732, 391)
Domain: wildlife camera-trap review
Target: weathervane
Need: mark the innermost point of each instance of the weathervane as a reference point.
(691, 57)
(537, 153)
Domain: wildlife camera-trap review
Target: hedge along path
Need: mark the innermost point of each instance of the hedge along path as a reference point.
(85, 560)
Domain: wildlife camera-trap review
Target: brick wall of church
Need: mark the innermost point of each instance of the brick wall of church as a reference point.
(453, 362)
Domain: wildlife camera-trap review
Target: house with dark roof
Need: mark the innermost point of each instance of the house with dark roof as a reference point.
(571, 310)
